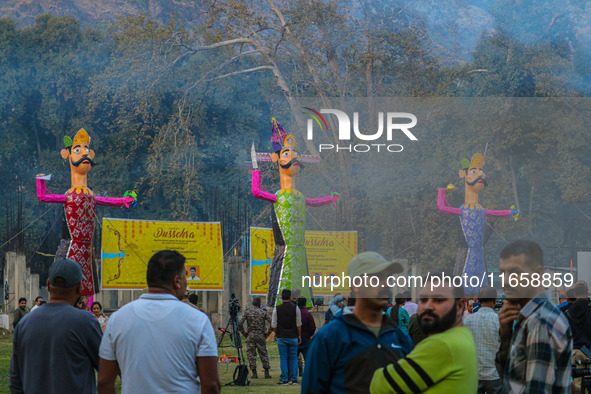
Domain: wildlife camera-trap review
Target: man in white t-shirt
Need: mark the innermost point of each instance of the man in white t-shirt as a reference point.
(38, 302)
(160, 344)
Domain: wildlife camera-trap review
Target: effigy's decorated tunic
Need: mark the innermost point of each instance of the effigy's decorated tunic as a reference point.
(473, 221)
(80, 212)
(289, 228)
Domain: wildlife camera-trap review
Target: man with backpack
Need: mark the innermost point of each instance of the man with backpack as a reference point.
(579, 318)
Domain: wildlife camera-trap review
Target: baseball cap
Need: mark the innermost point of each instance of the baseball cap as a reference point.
(372, 263)
(581, 287)
(582, 283)
(69, 270)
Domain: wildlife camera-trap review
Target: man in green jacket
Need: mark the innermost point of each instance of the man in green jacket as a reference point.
(19, 312)
(446, 361)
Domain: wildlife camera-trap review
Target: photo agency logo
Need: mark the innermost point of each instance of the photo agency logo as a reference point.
(396, 125)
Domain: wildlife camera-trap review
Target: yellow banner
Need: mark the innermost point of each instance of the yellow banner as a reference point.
(127, 245)
(328, 253)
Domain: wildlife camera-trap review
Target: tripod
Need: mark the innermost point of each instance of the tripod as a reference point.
(241, 371)
(231, 330)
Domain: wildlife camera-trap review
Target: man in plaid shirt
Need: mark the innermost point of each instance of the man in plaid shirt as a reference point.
(535, 352)
(484, 325)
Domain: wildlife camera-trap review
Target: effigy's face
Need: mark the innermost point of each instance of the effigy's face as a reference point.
(474, 179)
(80, 157)
(289, 162)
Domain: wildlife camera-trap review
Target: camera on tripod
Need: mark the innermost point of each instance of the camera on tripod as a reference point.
(581, 372)
(234, 305)
(584, 373)
(241, 371)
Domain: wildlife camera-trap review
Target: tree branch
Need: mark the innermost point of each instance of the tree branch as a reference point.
(227, 62)
(218, 44)
(582, 213)
(248, 70)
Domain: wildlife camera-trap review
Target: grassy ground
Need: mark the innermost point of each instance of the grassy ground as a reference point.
(225, 371)
(5, 355)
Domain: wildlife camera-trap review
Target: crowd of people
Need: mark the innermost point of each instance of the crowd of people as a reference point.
(368, 343)
(156, 343)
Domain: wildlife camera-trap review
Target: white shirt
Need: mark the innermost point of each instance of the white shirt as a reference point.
(410, 307)
(156, 341)
(33, 308)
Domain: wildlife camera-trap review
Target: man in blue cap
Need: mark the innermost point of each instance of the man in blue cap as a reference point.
(56, 348)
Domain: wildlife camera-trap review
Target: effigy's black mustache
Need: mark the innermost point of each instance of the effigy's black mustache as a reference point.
(85, 158)
(286, 166)
(476, 181)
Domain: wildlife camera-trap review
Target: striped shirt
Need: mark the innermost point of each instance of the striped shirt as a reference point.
(442, 363)
(484, 325)
(537, 358)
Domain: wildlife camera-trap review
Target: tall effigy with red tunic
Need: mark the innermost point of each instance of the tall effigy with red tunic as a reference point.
(80, 203)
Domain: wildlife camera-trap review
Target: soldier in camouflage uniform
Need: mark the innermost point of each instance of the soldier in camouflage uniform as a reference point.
(256, 335)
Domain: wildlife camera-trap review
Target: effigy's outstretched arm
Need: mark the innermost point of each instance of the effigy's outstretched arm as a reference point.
(256, 188)
(42, 192)
(115, 201)
(318, 201)
(128, 199)
(502, 213)
(444, 208)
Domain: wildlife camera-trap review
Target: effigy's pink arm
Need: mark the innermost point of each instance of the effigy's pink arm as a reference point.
(114, 201)
(256, 188)
(444, 208)
(318, 201)
(498, 213)
(43, 196)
